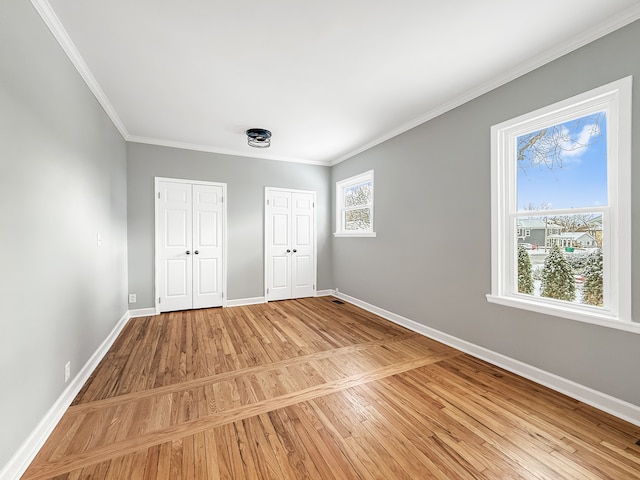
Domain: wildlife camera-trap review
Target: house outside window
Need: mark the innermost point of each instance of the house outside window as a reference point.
(354, 206)
(561, 176)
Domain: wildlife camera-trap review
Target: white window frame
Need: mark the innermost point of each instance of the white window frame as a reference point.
(615, 99)
(341, 186)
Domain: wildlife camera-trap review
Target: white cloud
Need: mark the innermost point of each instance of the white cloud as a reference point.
(577, 145)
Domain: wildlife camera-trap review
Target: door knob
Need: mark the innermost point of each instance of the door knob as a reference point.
(196, 252)
(288, 251)
(294, 250)
(188, 252)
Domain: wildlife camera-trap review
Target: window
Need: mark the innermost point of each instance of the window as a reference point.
(561, 175)
(354, 206)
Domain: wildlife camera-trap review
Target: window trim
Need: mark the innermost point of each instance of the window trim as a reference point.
(615, 98)
(341, 185)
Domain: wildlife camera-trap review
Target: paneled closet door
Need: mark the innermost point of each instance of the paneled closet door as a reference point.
(175, 229)
(207, 246)
(190, 250)
(290, 244)
(303, 251)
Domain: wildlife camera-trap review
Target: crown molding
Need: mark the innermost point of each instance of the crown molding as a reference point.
(59, 32)
(610, 25)
(210, 149)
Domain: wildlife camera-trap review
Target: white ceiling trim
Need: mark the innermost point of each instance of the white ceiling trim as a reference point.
(59, 32)
(205, 148)
(610, 25)
(55, 26)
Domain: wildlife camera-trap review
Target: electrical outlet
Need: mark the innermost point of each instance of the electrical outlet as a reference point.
(67, 371)
(132, 298)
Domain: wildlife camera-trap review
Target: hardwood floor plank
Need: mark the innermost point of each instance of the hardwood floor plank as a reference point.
(211, 455)
(409, 431)
(118, 400)
(262, 453)
(545, 428)
(312, 389)
(185, 425)
(151, 464)
(298, 455)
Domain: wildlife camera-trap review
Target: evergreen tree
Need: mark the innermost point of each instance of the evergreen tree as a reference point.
(593, 279)
(557, 277)
(525, 278)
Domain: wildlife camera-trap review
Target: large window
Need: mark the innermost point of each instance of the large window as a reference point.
(561, 208)
(354, 206)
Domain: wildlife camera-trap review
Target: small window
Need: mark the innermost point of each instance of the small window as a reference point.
(354, 206)
(561, 176)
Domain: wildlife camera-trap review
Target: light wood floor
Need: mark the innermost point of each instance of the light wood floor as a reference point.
(313, 389)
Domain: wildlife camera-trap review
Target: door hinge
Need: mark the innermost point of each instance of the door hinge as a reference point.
(267, 291)
(268, 201)
(314, 287)
(158, 195)
(159, 300)
(313, 204)
(222, 294)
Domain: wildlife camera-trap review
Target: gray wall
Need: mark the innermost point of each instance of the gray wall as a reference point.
(246, 179)
(430, 261)
(62, 180)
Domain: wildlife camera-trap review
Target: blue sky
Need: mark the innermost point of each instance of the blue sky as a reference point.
(578, 173)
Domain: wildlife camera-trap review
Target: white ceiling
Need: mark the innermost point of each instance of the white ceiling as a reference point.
(329, 78)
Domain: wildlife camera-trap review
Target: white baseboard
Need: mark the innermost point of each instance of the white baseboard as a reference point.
(602, 401)
(142, 312)
(239, 302)
(18, 464)
(245, 301)
(325, 293)
(145, 312)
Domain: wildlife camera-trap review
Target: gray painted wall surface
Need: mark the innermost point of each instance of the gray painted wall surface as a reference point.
(432, 188)
(246, 179)
(62, 180)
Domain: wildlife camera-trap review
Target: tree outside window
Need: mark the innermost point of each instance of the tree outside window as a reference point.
(354, 206)
(561, 186)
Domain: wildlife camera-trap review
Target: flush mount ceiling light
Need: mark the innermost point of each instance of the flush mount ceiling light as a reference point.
(259, 137)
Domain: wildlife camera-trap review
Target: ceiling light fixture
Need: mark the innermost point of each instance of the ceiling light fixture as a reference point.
(259, 137)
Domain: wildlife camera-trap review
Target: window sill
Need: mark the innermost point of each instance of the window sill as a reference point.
(566, 312)
(360, 234)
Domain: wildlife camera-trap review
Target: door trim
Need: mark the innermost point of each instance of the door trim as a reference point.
(156, 246)
(267, 190)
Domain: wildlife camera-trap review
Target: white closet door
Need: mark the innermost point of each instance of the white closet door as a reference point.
(303, 245)
(190, 250)
(290, 244)
(207, 246)
(277, 235)
(174, 255)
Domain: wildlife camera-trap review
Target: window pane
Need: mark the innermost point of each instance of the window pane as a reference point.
(354, 205)
(359, 219)
(561, 258)
(563, 166)
(357, 195)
